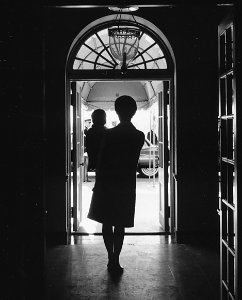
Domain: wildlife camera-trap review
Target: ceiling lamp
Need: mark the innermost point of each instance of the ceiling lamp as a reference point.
(125, 9)
(124, 42)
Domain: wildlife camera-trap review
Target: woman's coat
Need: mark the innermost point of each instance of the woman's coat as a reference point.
(114, 193)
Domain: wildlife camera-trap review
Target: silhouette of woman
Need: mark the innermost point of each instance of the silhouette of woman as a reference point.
(114, 192)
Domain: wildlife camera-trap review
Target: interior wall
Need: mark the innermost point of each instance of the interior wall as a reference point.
(23, 144)
(195, 48)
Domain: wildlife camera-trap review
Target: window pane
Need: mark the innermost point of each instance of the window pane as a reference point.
(97, 49)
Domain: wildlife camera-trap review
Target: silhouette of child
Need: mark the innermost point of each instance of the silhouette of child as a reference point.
(94, 137)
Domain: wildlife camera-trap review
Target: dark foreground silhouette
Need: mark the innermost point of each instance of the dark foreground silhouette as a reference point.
(114, 192)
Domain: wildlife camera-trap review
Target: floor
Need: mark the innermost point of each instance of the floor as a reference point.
(155, 267)
(146, 212)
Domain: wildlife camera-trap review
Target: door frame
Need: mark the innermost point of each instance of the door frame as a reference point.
(76, 155)
(135, 75)
(171, 221)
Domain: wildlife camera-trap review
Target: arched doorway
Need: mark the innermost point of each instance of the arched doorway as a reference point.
(90, 61)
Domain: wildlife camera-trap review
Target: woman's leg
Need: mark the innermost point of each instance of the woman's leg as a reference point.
(108, 238)
(118, 243)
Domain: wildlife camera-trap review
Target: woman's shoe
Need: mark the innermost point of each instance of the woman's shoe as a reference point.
(115, 268)
(118, 269)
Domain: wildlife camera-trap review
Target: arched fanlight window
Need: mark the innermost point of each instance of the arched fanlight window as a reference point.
(95, 54)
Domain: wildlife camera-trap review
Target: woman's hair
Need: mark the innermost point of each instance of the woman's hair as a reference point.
(99, 117)
(125, 107)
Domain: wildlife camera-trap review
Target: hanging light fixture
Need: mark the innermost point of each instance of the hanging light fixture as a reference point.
(124, 40)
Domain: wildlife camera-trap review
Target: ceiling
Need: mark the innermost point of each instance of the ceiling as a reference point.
(102, 94)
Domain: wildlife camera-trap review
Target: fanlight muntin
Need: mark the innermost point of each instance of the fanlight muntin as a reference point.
(124, 43)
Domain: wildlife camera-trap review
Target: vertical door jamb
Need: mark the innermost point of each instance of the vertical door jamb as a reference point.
(172, 153)
(75, 97)
(68, 160)
(166, 152)
(163, 158)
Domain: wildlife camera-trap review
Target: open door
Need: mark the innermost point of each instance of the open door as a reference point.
(228, 170)
(163, 98)
(77, 155)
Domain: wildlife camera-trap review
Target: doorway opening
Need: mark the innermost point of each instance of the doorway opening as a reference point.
(90, 68)
(153, 169)
(146, 119)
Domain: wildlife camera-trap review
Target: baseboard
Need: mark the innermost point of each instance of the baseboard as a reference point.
(56, 238)
(195, 237)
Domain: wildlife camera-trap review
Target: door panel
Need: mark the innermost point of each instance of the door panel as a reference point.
(172, 170)
(69, 181)
(77, 159)
(163, 157)
(227, 163)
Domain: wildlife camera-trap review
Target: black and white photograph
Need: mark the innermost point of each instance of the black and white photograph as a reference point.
(121, 173)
